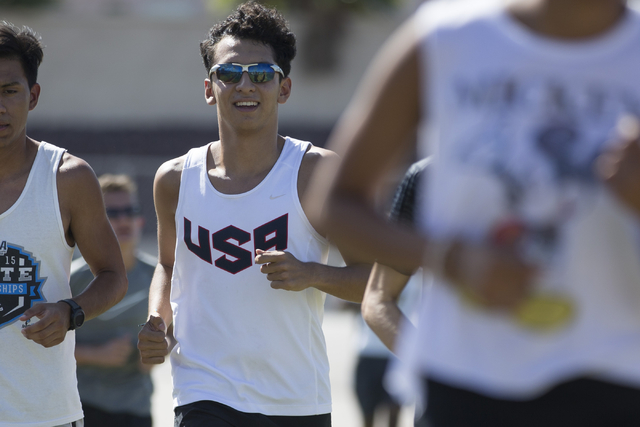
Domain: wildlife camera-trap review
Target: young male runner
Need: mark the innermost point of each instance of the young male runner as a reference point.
(49, 202)
(240, 270)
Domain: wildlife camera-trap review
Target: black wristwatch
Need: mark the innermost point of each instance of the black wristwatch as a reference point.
(76, 318)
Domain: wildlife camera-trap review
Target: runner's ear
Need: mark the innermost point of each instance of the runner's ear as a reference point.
(209, 94)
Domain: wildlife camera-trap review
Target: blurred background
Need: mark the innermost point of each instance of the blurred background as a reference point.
(122, 88)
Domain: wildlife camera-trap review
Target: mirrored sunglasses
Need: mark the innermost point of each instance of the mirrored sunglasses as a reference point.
(258, 73)
(127, 211)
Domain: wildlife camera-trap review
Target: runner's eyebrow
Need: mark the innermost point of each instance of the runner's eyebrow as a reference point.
(10, 84)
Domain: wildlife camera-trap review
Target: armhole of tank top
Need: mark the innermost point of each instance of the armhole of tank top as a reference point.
(305, 146)
(57, 158)
(183, 186)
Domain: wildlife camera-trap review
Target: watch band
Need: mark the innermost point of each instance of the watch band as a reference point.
(75, 308)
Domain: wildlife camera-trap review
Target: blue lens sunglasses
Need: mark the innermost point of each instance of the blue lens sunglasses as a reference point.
(261, 72)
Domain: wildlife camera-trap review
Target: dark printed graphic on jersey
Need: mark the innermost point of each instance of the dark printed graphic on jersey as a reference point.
(273, 235)
(20, 282)
(534, 142)
(538, 136)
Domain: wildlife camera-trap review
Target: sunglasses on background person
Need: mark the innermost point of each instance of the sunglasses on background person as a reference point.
(127, 212)
(261, 72)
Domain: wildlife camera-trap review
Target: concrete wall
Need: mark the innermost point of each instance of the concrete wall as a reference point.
(134, 71)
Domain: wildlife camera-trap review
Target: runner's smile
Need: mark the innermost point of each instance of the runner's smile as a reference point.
(246, 106)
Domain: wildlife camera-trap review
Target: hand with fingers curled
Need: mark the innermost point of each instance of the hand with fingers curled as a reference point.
(153, 342)
(52, 325)
(619, 165)
(494, 277)
(285, 271)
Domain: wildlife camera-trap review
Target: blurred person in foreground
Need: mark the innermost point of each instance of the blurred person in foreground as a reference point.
(50, 201)
(531, 210)
(115, 387)
(240, 271)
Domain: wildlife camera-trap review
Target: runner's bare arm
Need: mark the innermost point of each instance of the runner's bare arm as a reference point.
(346, 282)
(86, 224)
(286, 272)
(79, 191)
(377, 128)
(380, 303)
(152, 339)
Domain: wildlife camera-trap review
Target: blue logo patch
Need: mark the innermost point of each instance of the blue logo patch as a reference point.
(20, 282)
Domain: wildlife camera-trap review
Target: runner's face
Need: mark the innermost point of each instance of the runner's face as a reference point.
(16, 100)
(246, 106)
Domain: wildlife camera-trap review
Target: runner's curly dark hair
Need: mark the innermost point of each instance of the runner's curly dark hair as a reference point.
(24, 45)
(253, 21)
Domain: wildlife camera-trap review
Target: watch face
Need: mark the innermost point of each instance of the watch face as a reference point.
(78, 318)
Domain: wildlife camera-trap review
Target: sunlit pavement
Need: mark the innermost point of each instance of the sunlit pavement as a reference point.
(341, 331)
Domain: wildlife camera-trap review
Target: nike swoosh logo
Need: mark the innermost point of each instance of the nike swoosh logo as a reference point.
(126, 303)
(272, 197)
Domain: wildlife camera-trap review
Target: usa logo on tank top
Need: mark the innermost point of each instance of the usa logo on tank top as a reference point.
(20, 282)
(271, 235)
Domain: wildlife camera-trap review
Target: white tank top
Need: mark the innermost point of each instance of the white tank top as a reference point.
(517, 120)
(38, 386)
(240, 342)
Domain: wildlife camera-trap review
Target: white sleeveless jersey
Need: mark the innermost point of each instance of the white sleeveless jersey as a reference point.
(516, 123)
(38, 386)
(240, 342)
